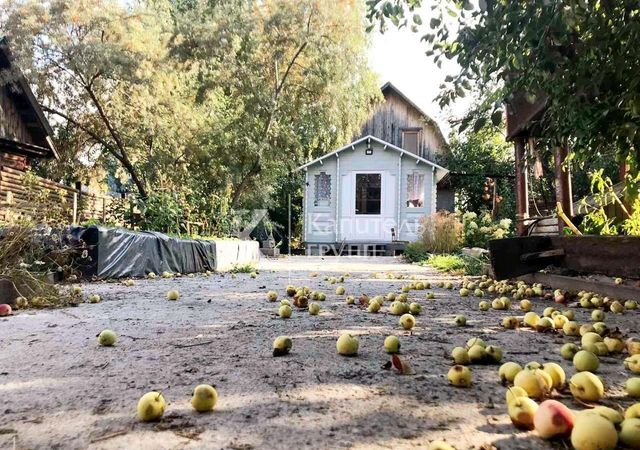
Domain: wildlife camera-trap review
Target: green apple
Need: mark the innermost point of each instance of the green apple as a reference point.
(347, 345)
(392, 344)
(107, 338)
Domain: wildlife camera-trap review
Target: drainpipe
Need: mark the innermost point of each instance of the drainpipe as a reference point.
(305, 222)
(337, 224)
(398, 226)
(434, 190)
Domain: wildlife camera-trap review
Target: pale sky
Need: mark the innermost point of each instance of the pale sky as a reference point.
(398, 56)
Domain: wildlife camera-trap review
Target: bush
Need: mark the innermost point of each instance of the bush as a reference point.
(479, 230)
(441, 233)
(415, 252)
(458, 264)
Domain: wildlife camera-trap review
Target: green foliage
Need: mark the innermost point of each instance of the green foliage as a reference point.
(457, 264)
(415, 252)
(480, 229)
(580, 53)
(207, 105)
(472, 158)
(242, 268)
(606, 211)
(441, 233)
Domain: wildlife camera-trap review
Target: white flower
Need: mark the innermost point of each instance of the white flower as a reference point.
(39, 263)
(485, 230)
(505, 223)
(499, 233)
(469, 215)
(486, 218)
(473, 225)
(24, 265)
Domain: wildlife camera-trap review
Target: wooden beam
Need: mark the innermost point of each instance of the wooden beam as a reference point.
(522, 184)
(563, 183)
(577, 284)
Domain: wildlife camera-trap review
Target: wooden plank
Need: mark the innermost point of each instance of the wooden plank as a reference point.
(615, 256)
(575, 284)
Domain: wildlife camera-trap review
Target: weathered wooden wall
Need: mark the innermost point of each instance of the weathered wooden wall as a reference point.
(21, 198)
(12, 125)
(394, 115)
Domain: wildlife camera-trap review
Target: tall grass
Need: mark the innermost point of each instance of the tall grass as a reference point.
(441, 233)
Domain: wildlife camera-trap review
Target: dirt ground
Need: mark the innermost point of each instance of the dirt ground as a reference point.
(60, 390)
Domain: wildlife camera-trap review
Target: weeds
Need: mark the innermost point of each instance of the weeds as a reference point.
(245, 268)
(455, 264)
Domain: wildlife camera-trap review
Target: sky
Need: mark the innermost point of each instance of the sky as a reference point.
(398, 56)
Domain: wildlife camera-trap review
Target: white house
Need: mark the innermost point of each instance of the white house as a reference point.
(368, 195)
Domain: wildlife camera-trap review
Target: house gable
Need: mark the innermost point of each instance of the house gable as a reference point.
(24, 130)
(402, 123)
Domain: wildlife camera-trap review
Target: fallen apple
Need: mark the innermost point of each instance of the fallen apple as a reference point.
(510, 322)
(95, 298)
(347, 345)
(460, 356)
(593, 432)
(597, 315)
(5, 309)
(314, 309)
(392, 344)
(553, 418)
(282, 345)
(522, 411)
(586, 386)
(204, 398)
(630, 433)
(285, 311)
(525, 305)
(632, 386)
(633, 363)
(484, 305)
(534, 382)
(514, 392)
(460, 321)
(494, 353)
(107, 338)
(459, 376)
(151, 406)
(407, 321)
(531, 319)
(632, 412)
(585, 361)
(508, 371)
(569, 350)
(173, 295)
(415, 308)
(272, 296)
(557, 374)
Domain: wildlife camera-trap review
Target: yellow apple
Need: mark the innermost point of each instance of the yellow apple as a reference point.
(204, 398)
(151, 406)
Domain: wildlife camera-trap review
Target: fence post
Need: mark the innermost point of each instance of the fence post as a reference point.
(75, 208)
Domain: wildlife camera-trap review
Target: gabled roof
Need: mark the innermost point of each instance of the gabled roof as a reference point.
(388, 86)
(440, 171)
(29, 110)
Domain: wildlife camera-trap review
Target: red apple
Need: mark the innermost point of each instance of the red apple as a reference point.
(560, 299)
(5, 309)
(553, 419)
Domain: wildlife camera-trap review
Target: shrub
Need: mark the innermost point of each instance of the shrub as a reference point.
(415, 252)
(479, 230)
(441, 233)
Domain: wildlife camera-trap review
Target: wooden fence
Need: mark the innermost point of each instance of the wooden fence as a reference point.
(26, 195)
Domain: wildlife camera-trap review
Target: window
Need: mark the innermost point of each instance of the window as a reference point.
(415, 190)
(411, 140)
(322, 191)
(368, 192)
